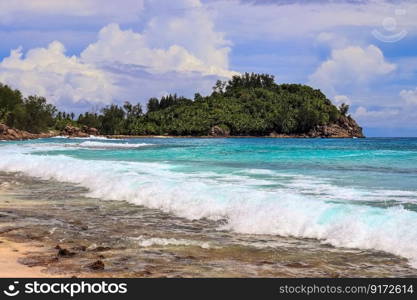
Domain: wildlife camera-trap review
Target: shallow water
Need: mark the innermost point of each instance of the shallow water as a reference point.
(222, 207)
(134, 241)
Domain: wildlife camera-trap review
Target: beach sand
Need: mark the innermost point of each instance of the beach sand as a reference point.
(10, 253)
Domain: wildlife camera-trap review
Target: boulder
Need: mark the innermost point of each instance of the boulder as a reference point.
(3, 128)
(73, 131)
(90, 130)
(219, 131)
(97, 265)
(346, 127)
(65, 252)
(7, 133)
(85, 131)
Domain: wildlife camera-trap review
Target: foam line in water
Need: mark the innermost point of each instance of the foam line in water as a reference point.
(149, 242)
(284, 210)
(91, 137)
(105, 145)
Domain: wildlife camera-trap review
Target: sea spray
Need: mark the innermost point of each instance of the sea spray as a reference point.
(275, 203)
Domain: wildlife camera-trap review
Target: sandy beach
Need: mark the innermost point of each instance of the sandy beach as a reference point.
(10, 254)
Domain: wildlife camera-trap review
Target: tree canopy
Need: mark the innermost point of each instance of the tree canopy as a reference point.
(248, 104)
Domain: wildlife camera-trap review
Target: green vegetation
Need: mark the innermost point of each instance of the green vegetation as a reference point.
(250, 104)
(31, 114)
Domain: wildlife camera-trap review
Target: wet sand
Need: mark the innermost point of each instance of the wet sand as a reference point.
(65, 233)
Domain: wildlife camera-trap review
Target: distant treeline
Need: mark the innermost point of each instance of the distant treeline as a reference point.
(250, 104)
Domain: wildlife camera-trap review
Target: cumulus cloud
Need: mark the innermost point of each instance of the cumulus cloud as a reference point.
(49, 72)
(127, 47)
(409, 96)
(123, 64)
(349, 66)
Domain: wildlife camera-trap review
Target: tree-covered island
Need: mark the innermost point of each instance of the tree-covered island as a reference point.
(246, 105)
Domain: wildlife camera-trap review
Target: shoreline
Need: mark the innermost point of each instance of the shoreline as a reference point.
(122, 136)
(135, 241)
(12, 134)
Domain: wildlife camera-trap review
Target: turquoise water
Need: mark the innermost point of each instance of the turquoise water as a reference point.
(356, 193)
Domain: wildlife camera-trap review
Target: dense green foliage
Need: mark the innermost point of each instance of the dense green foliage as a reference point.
(33, 113)
(250, 104)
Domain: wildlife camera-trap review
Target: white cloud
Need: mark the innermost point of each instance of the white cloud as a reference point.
(410, 96)
(127, 47)
(170, 52)
(386, 117)
(267, 20)
(192, 29)
(339, 99)
(362, 112)
(77, 8)
(332, 39)
(349, 66)
(49, 72)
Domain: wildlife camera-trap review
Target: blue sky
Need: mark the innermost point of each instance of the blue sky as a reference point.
(84, 54)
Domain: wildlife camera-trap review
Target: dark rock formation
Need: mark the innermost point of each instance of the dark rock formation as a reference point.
(90, 130)
(10, 134)
(97, 265)
(346, 127)
(85, 131)
(219, 131)
(65, 252)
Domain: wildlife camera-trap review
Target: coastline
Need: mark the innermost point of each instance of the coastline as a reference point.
(331, 131)
(121, 136)
(44, 217)
(124, 136)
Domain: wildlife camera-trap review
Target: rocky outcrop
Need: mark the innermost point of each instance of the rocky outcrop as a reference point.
(97, 265)
(274, 134)
(219, 131)
(85, 131)
(90, 130)
(11, 134)
(346, 127)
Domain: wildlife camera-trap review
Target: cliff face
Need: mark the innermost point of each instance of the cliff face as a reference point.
(346, 127)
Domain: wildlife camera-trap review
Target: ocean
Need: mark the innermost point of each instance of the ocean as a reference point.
(347, 194)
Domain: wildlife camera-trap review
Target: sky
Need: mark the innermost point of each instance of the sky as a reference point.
(85, 54)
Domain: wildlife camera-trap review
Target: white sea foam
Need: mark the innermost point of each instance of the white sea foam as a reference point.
(91, 137)
(105, 145)
(287, 210)
(148, 242)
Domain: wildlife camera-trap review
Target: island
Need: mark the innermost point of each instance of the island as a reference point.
(246, 105)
